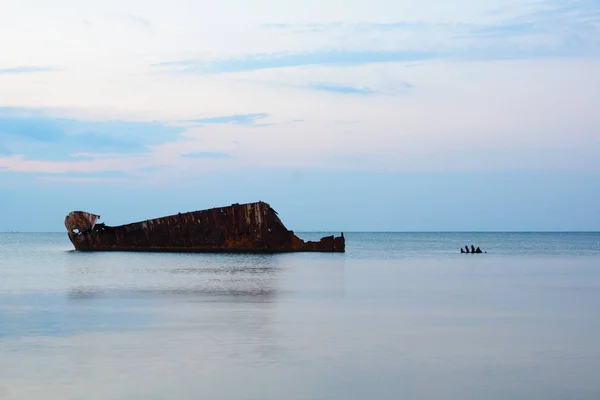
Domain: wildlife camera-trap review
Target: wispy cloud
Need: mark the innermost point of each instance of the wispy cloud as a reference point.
(568, 23)
(237, 119)
(90, 177)
(59, 178)
(180, 63)
(139, 20)
(27, 69)
(561, 18)
(396, 89)
(284, 60)
(535, 29)
(342, 25)
(341, 89)
(204, 154)
(35, 135)
(33, 142)
(545, 34)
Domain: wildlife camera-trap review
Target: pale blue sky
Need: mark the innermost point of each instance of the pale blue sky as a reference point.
(362, 115)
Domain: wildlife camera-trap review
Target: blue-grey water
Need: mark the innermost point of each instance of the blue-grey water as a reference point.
(398, 316)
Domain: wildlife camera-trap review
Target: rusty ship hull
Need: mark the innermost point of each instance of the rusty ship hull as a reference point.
(245, 228)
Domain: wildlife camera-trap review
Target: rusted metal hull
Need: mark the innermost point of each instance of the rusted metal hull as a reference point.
(245, 228)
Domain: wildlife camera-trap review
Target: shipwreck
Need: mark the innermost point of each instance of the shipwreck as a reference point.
(239, 228)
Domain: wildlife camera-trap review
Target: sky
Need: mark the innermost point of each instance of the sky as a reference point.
(354, 115)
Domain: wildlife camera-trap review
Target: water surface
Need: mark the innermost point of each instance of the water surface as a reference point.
(397, 316)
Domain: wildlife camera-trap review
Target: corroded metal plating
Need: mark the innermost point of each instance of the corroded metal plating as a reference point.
(80, 221)
(253, 227)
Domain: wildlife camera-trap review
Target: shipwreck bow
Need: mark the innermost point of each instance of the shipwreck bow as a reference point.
(253, 227)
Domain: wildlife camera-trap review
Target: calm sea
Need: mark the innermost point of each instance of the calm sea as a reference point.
(398, 316)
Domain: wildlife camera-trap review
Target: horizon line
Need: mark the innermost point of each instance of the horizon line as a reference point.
(366, 231)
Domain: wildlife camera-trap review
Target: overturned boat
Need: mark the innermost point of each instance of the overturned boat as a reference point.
(239, 228)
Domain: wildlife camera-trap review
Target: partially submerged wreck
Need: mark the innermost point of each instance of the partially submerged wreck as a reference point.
(245, 228)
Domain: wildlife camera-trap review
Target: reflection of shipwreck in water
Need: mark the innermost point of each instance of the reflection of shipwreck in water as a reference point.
(253, 227)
